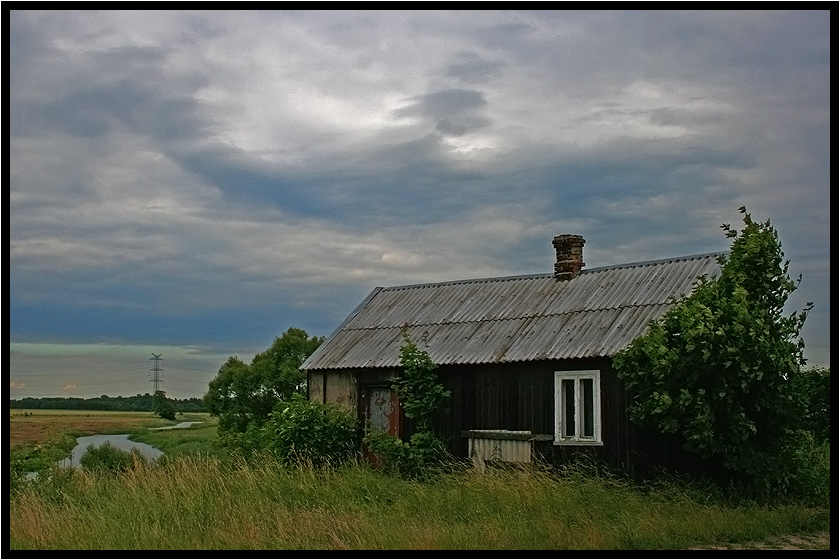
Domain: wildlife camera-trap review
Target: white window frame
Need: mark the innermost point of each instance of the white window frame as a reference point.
(560, 407)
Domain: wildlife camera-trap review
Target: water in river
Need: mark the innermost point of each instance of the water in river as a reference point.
(120, 441)
(179, 425)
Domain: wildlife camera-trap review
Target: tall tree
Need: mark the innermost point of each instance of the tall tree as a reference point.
(717, 369)
(162, 406)
(243, 394)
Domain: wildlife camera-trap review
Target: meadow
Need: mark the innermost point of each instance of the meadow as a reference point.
(198, 498)
(39, 427)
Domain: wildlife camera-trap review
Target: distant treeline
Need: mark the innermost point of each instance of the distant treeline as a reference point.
(137, 403)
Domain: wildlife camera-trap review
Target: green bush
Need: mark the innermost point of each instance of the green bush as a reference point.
(243, 443)
(302, 430)
(420, 457)
(813, 387)
(812, 470)
(106, 457)
(391, 450)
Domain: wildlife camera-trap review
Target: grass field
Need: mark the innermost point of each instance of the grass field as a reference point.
(204, 503)
(199, 498)
(38, 427)
(40, 438)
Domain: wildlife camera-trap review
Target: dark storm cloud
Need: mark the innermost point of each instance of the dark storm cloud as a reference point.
(471, 68)
(207, 177)
(454, 111)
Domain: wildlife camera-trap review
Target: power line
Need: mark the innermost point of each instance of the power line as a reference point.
(185, 380)
(86, 370)
(193, 369)
(60, 383)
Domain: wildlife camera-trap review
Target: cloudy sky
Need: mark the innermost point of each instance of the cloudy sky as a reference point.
(193, 184)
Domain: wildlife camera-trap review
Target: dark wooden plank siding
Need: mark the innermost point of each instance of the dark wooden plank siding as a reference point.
(614, 424)
(521, 397)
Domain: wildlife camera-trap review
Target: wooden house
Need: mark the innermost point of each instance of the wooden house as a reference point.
(527, 358)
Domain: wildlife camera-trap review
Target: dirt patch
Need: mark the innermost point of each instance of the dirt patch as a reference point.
(818, 541)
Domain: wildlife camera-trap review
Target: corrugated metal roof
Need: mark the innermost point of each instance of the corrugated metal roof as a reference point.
(514, 318)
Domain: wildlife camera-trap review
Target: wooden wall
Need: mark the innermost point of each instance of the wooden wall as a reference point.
(339, 387)
(519, 397)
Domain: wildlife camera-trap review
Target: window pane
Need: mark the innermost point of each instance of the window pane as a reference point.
(568, 408)
(588, 395)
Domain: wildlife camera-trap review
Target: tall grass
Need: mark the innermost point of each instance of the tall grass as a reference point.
(204, 502)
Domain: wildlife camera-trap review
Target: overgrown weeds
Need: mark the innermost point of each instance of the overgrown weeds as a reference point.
(203, 502)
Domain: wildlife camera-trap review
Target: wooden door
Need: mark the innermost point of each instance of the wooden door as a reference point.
(380, 412)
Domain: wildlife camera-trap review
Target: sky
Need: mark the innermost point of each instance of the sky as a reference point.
(193, 184)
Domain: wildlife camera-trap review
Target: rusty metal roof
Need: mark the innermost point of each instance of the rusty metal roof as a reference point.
(514, 318)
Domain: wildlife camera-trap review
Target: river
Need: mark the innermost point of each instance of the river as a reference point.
(120, 441)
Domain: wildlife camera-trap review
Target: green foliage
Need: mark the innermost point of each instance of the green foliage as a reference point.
(229, 395)
(198, 439)
(136, 403)
(303, 430)
(31, 458)
(162, 406)
(717, 369)
(40, 459)
(420, 457)
(242, 394)
(421, 396)
(391, 450)
(418, 387)
(54, 485)
(106, 457)
(813, 387)
(813, 475)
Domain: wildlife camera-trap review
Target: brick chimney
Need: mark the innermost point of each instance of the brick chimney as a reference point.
(569, 250)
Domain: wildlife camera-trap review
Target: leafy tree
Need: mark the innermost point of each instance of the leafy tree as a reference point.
(138, 403)
(717, 368)
(229, 396)
(162, 406)
(243, 394)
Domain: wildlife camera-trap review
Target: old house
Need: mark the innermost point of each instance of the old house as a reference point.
(527, 358)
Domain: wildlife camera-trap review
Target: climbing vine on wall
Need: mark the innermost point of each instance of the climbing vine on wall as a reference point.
(421, 395)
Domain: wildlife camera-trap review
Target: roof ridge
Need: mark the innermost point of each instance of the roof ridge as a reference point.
(551, 274)
(657, 261)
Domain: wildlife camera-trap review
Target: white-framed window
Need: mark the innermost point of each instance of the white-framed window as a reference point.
(577, 407)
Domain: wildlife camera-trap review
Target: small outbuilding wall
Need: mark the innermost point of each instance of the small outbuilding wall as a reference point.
(514, 397)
